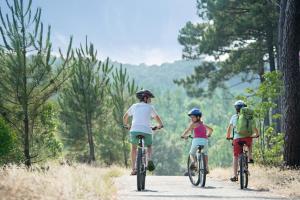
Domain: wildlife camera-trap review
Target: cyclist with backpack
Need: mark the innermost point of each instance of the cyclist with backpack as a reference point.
(243, 128)
(141, 114)
(201, 133)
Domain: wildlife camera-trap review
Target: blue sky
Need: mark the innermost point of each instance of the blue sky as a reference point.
(129, 31)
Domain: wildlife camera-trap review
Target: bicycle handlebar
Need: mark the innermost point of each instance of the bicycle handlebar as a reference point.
(190, 137)
(152, 128)
(231, 138)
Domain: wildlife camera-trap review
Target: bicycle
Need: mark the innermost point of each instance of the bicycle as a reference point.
(243, 171)
(141, 161)
(197, 176)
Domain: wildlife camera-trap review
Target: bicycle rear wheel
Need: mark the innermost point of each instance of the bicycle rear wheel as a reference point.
(139, 170)
(246, 172)
(202, 169)
(243, 171)
(144, 170)
(194, 174)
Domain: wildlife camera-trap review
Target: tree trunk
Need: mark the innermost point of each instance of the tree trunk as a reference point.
(270, 47)
(26, 141)
(124, 148)
(90, 139)
(291, 76)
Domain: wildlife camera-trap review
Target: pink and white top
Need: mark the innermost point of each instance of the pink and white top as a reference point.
(200, 131)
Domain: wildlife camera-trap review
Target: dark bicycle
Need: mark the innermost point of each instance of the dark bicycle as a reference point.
(141, 161)
(243, 171)
(197, 175)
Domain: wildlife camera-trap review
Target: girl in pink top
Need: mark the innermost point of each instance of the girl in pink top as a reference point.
(201, 134)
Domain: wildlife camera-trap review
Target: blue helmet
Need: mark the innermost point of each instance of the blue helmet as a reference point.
(195, 112)
(239, 104)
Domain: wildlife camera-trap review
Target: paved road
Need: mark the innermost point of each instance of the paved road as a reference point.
(179, 187)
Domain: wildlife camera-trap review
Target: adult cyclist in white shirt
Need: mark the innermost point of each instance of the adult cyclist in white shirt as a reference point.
(141, 114)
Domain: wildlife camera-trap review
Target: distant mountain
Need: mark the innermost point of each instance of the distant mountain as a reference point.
(160, 76)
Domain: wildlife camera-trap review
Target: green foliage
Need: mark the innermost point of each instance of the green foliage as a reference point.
(9, 145)
(238, 34)
(46, 141)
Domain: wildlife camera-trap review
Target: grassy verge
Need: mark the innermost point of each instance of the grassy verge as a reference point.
(58, 182)
(284, 182)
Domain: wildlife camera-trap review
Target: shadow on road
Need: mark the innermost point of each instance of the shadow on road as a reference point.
(256, 190)
(145, 191)
(203, 196)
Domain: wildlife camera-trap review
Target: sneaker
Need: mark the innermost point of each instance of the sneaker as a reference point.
(251, 161)
(207, 171)
(234, 179)
(150, 165)
(133, 172)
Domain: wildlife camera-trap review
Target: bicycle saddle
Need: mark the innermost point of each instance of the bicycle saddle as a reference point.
(140, 136)
(241, 143)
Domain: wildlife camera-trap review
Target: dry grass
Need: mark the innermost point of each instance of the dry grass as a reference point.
(58, 182)
(284, 182)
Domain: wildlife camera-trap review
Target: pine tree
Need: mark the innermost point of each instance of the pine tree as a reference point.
(244, 31)
(122, 92)
(82, 100)
(29, 75)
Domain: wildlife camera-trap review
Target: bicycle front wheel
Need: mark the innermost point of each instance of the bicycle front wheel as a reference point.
(193, 172)
(202, 170)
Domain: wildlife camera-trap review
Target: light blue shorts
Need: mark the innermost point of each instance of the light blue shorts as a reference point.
(196, 142)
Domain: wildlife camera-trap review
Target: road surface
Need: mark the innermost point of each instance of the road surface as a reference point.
(179, 188)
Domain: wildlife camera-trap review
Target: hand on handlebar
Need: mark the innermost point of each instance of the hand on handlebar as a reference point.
(157, 127)
(229, 138)
(183, 137)
(126, 126)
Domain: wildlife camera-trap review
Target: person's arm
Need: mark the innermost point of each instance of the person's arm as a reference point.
(210, 130)
(126, 116)
(125, 120)
(229, 130)
(256, 132)
(156, 117)
(187, 131)
(158, 120)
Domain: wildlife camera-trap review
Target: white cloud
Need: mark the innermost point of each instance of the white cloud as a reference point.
(137, 55)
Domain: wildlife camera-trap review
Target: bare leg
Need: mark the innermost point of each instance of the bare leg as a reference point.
(235, 166)
(133, 156)
(250, 153)
(206, 161)
(192, 158)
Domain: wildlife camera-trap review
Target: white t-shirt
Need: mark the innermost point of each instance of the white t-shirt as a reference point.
(141, 115)
(233, 122)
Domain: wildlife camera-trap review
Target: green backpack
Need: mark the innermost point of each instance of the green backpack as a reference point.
(245, 122)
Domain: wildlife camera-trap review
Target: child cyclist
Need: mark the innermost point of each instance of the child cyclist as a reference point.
(141, 114)
(201, 134)
(238, 138)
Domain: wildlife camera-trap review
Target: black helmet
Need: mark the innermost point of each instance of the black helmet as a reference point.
(144, 93)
